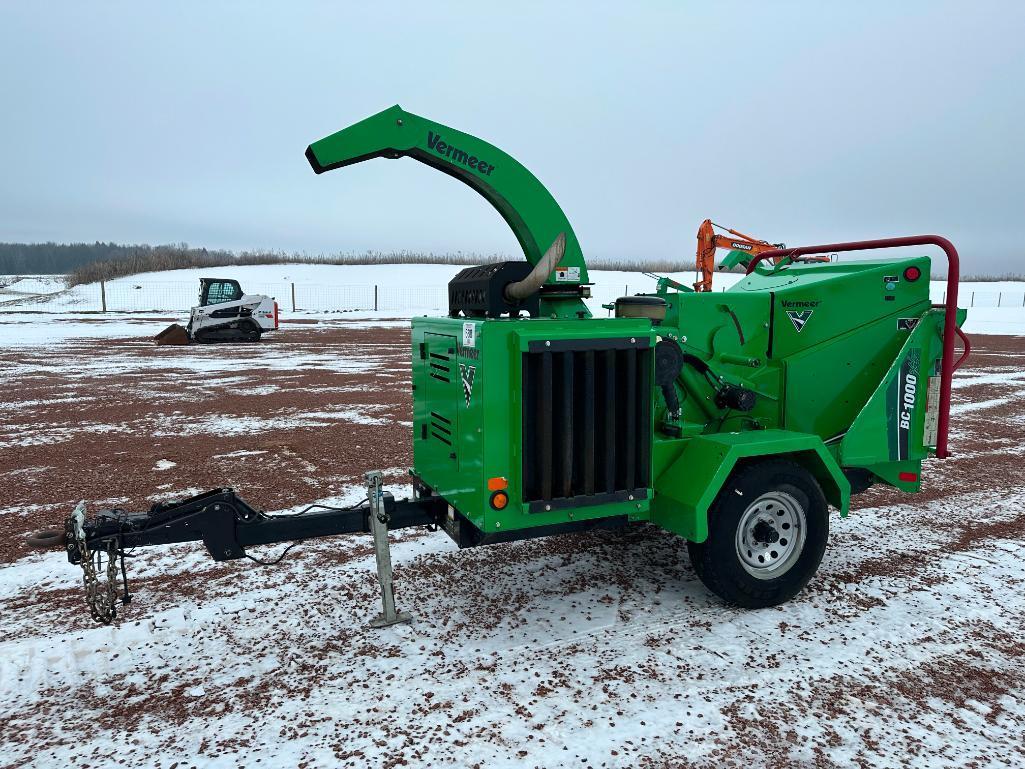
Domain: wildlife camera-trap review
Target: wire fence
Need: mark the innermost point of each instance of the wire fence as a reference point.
(154, 296)
(970, 298)
(178, 296)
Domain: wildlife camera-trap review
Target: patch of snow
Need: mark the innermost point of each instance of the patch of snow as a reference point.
(403, 291)
(171, 496)
(41, 435)
(229, 424)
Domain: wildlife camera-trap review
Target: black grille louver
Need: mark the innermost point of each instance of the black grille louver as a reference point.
(440, 366)
(586, 422)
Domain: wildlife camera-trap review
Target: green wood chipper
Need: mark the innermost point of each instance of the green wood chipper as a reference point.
(735, 419)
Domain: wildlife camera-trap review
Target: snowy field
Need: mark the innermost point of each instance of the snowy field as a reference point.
(398, 292)
(597, 650)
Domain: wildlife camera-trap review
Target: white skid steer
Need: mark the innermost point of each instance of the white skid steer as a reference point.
(224, 314)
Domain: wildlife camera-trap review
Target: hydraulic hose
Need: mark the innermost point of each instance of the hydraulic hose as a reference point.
(521, 289)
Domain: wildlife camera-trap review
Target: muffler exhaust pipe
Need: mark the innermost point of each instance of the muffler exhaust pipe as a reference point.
(521, 289)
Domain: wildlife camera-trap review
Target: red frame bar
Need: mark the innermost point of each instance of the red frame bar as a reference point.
(967, 349)
(950, 329)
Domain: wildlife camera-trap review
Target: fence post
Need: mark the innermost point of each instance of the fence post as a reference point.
(375, 298)
(293, 297)
(103, 295)
(973, 300)
(1000, 296)
(626, 290)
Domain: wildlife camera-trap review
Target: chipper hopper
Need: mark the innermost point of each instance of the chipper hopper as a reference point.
(735, 419)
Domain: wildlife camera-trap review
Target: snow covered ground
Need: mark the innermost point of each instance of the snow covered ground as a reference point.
(599, 650)
(399, 291)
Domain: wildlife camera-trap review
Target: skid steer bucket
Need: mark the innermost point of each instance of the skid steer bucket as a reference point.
(173, 334)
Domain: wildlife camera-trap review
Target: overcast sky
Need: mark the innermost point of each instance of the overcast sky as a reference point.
(795, 122)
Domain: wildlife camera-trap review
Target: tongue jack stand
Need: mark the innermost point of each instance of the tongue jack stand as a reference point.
(379, 529)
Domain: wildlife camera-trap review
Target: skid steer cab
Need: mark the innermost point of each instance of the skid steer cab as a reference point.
(225, 313)
(736, 420)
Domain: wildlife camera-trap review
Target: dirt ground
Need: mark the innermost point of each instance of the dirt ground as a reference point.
(138, 426)
(591, 650)
(125, 422)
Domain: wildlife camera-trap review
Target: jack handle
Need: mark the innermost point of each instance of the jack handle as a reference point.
(950, 329)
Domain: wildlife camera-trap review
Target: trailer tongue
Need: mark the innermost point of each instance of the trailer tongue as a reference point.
(227, 525)
(733, 419)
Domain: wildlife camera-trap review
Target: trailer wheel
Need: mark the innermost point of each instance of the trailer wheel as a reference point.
(767, 532)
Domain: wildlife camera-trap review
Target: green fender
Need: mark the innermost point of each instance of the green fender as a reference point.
(688, 486)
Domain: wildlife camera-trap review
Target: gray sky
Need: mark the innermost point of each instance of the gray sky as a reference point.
(800, 122)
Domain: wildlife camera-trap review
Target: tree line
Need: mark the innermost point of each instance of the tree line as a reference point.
(66, 258)
(92, 262)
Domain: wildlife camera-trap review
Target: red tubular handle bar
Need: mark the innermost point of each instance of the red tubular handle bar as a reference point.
(950, 329)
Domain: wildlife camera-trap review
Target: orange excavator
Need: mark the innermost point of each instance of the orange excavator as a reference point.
(709, 241)
(742, 248)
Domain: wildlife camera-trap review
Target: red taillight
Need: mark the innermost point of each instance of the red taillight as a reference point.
(912, 274)
(275, 315)
(908, 477)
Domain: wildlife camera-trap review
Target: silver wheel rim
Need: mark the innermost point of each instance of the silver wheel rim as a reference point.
(771, 534)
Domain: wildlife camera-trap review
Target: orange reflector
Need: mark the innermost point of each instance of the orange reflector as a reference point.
(497, 484)
(909, 477)
(499, 500)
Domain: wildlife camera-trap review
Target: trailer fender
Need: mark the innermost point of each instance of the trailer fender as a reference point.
(685, 491)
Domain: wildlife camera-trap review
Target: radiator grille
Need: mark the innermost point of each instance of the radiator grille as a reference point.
(586, 422)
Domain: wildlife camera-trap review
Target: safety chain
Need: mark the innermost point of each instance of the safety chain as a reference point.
(100, 598)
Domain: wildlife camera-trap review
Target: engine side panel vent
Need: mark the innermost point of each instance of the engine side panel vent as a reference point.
(586, 422)
(440, 425)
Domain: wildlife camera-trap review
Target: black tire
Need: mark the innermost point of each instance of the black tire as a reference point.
(767, 499)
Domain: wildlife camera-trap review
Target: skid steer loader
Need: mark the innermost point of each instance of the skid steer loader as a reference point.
(225, 314)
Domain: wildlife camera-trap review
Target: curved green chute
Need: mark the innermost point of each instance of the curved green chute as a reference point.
(523, 202)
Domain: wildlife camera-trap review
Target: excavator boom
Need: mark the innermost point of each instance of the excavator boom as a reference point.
(709, 240)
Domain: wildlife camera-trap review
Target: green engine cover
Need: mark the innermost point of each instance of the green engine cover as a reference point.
(557, 412)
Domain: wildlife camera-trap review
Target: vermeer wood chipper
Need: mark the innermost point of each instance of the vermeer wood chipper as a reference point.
(733, 419)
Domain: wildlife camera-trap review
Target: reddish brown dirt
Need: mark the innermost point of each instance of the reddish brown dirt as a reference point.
(910, 683)
(63, 406)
